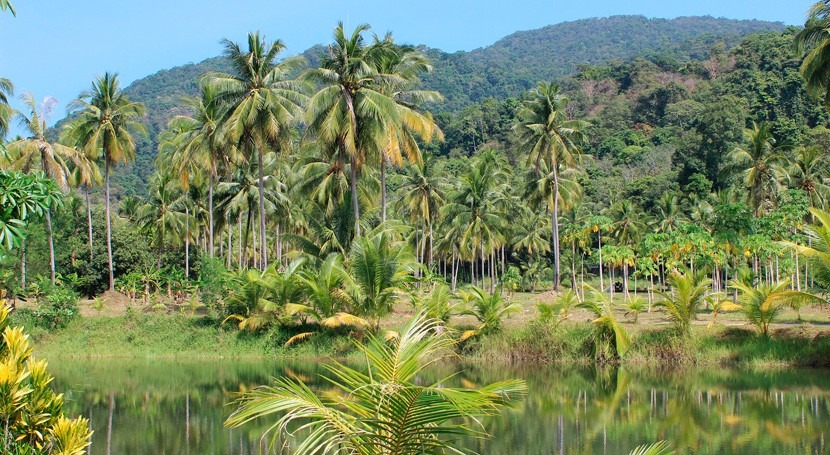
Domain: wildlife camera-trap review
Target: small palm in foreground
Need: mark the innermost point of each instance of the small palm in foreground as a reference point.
(382, 411)
(761, 304)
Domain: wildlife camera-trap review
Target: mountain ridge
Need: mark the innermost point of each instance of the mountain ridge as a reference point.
(505, 68)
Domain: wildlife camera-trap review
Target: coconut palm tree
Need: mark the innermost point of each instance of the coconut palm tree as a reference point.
(399, 68)
(548, 135)
(351, 115)
(382, 411)
(107, 121)
(807, 171)
(85, 172)
(36, 152)
(423, 196)
(163, 215)
(198, 144)
(262, 103)
(818, 253)
(760, 162)
(814, 40)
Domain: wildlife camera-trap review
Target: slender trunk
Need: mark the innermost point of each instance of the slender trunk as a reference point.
(625, 281)
(454, 271)
(262, 240)
(797, 273)
(431, 257)
(210, 213)
(355, 202)
(241, 242)
(23, 264)
(89, 220)
(51, 238)
(279, 243)
(555, 228)
(229, 252)
(383, 189)
(109, 225)
(601, 282)
(187, 242)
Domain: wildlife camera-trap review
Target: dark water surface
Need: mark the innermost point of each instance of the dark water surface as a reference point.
(178, 407)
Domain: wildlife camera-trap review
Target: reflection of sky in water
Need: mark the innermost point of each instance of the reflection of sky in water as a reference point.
(168, 407)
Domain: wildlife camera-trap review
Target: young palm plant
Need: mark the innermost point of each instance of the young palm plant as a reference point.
(687, 295)
(761, 304)
(489, 309)
(611, 338)
(383, 411)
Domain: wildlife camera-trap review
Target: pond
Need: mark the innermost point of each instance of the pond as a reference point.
(178, 407)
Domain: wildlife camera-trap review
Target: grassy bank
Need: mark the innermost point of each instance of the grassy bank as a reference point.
(798, 346)
(147, 335)
(139, 335)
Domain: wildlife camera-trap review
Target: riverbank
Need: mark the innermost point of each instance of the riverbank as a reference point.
(178, 336)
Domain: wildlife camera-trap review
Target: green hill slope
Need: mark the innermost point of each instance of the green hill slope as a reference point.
(506, 68)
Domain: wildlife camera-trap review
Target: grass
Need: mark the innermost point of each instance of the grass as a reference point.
(130, 333)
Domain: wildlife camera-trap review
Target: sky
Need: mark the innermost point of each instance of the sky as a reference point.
(57, 47)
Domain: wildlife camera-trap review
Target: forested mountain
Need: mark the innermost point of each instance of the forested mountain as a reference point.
(506, 68)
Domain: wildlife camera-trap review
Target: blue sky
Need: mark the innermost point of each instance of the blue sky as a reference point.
(57, 47)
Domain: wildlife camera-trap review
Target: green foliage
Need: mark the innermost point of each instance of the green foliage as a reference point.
(685, 299)
(59, 309)
(488, 309)
(762, 303)
(31, 414)
(383, 411)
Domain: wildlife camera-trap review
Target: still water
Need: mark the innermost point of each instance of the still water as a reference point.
(173, 407)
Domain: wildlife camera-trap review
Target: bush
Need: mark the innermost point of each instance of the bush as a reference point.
(61, 307)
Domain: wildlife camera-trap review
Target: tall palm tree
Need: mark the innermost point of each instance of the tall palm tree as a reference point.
(262, 103)
(163, 215)
(760, 162)
(399, 69)
(548, 135)
(628, 229)
(423, 195)
(85, 172)
(107, 122)
(814, 39)
(36, 152)
(807, 171)
(198, 144)
(351, 114)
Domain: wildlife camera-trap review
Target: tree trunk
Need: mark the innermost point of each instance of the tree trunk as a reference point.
(555, 227)
(263, 262)
(355, 202)
(51, 238)
(89, 220)
(601, 282)
(109, 225)
(23, 264)
(279, 244)
(210, 213)
(187, 242)
(383, 189)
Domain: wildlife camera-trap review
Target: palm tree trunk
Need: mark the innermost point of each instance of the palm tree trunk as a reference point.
(431, 256)
(109, 225)
(555, 228)
(355, 203)
(383, 189)
(601, 283)
(279, 243)
(89, 220)
(210, 213)
(262, 240)
(187, 242)
(51, 238)
(23, 264)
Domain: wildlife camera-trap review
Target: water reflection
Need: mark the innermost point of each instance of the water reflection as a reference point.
(165, 407)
